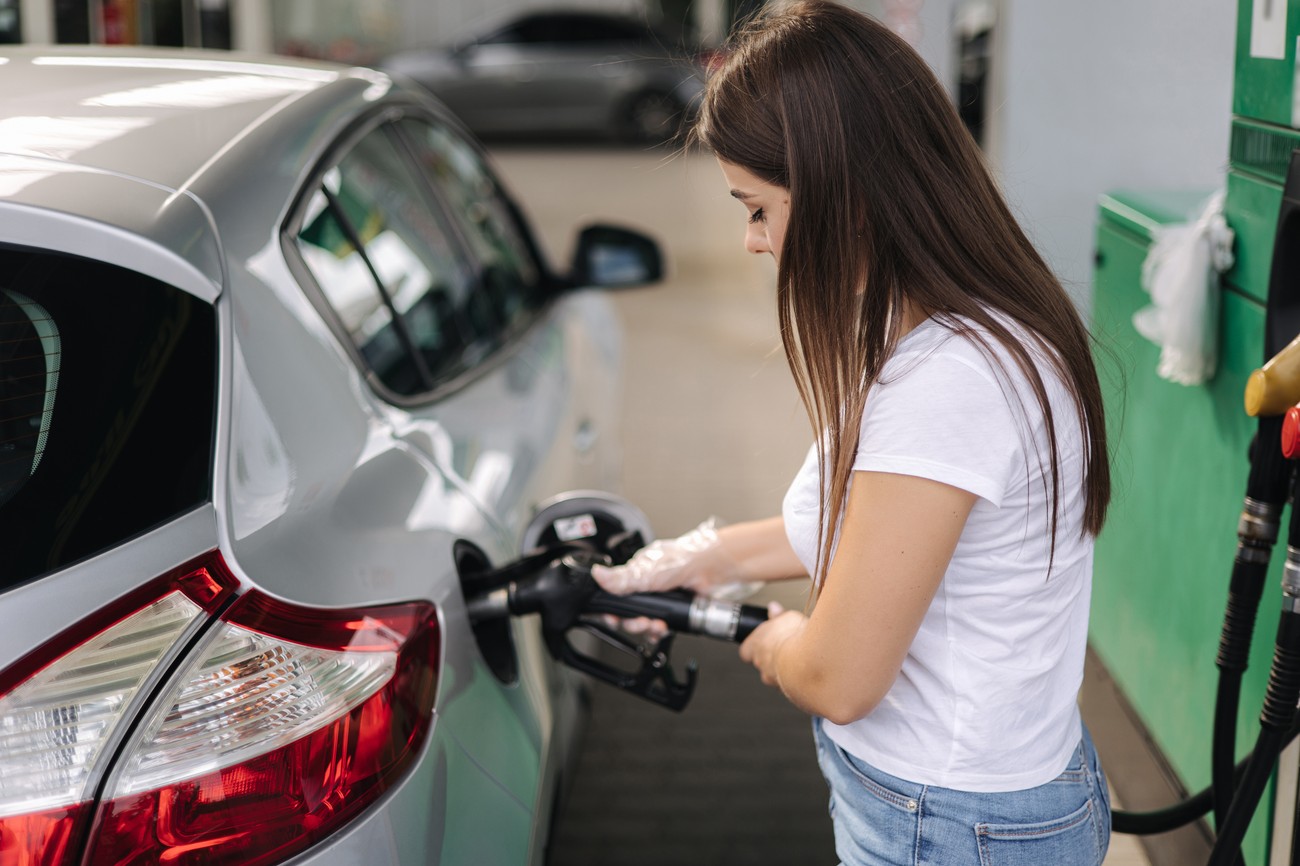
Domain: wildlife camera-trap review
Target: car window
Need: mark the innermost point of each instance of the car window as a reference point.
(387, 261)
(510, 281)
(107, 395)
(343, 276)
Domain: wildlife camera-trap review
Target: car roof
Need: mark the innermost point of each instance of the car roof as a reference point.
(155, 115)
(149, 142)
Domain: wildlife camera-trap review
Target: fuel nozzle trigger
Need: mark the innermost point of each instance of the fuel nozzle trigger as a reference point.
(567, 597)
(654, 679)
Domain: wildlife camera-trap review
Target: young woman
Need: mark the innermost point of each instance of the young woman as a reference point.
(948, 508)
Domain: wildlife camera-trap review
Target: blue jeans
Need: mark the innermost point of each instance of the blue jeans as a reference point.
(881, 820)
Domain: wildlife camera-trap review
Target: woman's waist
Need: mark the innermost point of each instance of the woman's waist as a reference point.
(997, 753)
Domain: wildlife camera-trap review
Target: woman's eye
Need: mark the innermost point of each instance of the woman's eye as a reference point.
(756, 216)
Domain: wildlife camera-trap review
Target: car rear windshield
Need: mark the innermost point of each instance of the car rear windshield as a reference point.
(107, 399)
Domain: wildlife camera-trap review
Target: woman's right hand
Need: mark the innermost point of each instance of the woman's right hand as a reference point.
(729, 563)
(695, 561)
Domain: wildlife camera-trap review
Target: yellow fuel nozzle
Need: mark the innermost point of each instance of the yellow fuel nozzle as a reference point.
(1275, 387)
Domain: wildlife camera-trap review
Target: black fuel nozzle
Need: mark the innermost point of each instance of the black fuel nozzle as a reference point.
(567, 597)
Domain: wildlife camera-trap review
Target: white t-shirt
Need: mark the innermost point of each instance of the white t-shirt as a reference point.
(986, 698)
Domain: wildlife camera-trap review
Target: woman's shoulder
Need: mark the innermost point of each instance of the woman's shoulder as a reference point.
(940, 342)
(944, 341)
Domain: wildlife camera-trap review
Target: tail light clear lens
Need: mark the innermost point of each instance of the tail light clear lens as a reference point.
(63, 704)
(287, 724)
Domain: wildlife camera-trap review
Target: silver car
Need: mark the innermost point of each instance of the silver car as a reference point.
(563, 72)
(279, 365)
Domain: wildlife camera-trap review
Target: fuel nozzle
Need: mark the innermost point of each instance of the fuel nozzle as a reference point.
(1275, 387)
(567, 598)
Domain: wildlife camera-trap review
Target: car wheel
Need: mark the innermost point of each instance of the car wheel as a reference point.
(651, 117)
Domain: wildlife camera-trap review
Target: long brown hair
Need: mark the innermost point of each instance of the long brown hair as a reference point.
(890, 200)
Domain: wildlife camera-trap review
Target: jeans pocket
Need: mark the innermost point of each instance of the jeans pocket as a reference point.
(1068, 841)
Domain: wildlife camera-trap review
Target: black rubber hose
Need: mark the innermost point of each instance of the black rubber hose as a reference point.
(1275, 721)
(1171, 817)
(1239, 615)
(1186, 811)
(1223, 744)
(1227, 846)
(1266, 491)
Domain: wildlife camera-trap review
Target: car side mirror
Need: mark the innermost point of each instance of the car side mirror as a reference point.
(615, 258)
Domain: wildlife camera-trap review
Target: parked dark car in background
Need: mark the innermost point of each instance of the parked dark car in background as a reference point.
(563, 73)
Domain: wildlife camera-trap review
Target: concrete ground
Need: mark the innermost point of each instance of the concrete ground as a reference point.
(712, 426)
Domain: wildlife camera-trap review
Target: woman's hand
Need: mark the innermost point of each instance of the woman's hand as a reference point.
(722, 563)
(763, 646)
(695, 561)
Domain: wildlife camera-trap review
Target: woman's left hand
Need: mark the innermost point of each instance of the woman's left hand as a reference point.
(763, 646)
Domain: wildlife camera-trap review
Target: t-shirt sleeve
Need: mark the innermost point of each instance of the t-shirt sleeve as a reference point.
(946, 418)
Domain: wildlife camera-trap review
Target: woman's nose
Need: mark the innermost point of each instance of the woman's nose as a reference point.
(756, 239)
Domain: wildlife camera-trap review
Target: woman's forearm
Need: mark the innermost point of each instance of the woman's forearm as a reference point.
(761, 550)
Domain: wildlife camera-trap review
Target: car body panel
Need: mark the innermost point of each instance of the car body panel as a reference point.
(145, 113)
(114, 218)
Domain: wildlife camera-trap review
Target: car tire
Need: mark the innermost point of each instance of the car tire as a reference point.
(651, 117)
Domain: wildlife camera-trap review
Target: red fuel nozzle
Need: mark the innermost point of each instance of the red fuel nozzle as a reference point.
(1291, 433)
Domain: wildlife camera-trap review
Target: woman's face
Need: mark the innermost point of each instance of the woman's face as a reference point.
(768, 206)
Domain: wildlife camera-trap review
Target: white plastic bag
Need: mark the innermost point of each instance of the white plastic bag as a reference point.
(1181, 273)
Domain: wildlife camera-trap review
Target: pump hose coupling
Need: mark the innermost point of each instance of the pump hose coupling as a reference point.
(1257, 530)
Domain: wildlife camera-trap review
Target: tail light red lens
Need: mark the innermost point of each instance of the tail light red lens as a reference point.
(62, 705)
(46, 838)
(286, 725)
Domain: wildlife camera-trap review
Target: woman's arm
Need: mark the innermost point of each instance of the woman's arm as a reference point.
(761, 550)
(898, 535)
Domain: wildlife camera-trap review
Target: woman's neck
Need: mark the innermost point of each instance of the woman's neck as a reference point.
(913, 314)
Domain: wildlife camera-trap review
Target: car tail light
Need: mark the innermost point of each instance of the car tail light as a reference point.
(288, 722)
(62, 705)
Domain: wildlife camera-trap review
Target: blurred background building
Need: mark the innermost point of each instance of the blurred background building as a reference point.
(1069, 99)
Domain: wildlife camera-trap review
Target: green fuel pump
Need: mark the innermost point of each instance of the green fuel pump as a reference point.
(1173, 616)
(1263, 207)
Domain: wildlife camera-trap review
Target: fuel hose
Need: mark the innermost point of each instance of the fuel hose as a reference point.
(1257, 531)
(1279, 711)
(1183, 812)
